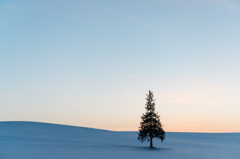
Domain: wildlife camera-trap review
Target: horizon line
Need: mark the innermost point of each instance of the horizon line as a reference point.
(113, 130)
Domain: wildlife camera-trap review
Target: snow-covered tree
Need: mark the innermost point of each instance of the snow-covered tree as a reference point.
(151, 126)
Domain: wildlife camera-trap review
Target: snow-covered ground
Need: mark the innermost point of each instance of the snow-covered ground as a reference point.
(32, 140)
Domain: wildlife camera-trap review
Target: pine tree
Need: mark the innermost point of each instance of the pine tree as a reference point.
(151, 126)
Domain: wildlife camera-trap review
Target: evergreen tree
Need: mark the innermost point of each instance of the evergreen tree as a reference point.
(151, 126)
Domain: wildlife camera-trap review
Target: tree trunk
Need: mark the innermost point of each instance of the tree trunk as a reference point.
(151, 145)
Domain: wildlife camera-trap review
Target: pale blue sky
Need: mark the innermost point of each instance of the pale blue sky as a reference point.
(91, 62)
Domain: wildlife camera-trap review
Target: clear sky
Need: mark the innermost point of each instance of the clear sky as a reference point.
(91, 62)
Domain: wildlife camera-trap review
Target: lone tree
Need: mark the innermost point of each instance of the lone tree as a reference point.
(151, 126)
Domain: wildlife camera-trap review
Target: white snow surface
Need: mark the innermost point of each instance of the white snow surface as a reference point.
(33, 140)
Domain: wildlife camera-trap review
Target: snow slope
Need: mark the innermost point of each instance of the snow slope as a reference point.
(32, 140)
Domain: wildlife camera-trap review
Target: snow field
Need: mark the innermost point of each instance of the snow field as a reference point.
(33, 140)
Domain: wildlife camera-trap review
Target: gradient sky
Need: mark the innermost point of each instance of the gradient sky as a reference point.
(90, 63)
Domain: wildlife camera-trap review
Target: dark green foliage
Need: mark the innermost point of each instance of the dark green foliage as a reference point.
(151, 126)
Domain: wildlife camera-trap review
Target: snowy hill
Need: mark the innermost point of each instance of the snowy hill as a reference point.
(32, 140)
